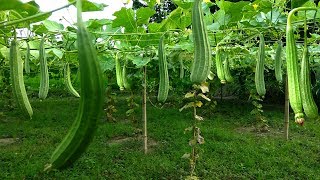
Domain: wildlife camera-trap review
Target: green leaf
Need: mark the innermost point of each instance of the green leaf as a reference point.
(297, 3)
(139, 61)
(143, 15)
(52, 26)
(29, 8)
(91, 6)
(183, 4)
(57, 52)
(221, 18)
(4, 51)
(106, 62)
(97, 23)
(40, 29)
(229, 12)
(177, 19)
(125, 18)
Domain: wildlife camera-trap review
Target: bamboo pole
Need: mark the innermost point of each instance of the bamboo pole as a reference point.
(286, 111)
(144, 110)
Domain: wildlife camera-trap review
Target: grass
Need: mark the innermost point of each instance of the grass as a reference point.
(231, 150)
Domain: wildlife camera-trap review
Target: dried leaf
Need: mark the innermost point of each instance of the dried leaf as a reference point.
(204, 97)
(192, 142)
(188, 129)
(191, 178)
(211, 75)
(199, 118)
(198, 104)
(189, 95)
(204, 87)
(200, 139)
(186, 156)
(190, 104)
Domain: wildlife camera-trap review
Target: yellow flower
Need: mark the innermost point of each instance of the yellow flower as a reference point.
(158, 1)
(206, 1)
(255, 6)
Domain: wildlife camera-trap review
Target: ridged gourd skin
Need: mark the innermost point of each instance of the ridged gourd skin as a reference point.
(16, 73)
(44, 74)
(309, 106)
(259, 74)
(219, 65)
(67, 80)
(126, 83)
(226, 68)
(91, 103)
(292, 68)
(201, 65)
(278, 62)
(27, 59)
(119, 72)
(163, 72)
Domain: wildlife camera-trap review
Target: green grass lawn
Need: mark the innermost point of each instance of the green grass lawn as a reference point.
(232, 150)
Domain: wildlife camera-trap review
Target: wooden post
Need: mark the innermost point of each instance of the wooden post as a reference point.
(286, 111)
(144, 110)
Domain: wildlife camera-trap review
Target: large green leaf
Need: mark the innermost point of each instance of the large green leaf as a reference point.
(52, 26)
(91, 6)
(183, 4)
(139, 61)
(177, 19)
(30, 8)
(97, 23)
(106, 62)
(143, 15)
(56, 52)
(230, 13)
(125, 18)
(297, 3)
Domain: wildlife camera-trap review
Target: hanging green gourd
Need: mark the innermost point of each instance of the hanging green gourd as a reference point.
(67, 80)
(201, 65)
(16, 74)
(163, 72)
(278, 62)
(259, 74)
(91, 101)
(44, 74)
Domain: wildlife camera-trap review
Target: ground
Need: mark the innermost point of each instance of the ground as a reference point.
(233, 149)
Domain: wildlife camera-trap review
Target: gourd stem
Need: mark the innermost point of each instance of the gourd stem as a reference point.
(289, 20)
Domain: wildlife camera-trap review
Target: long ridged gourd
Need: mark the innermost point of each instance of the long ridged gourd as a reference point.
(119, 72)
(181, 75)
(292, 68)
(27, 59)
(163, 72)
(67, 80)
(219, 65)
(126, 83)
(226, 68)
(259, 74)
(309, 106)
(91, 101)
(44, 74)
(16, 73)
(201, 65)
(278, 62)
